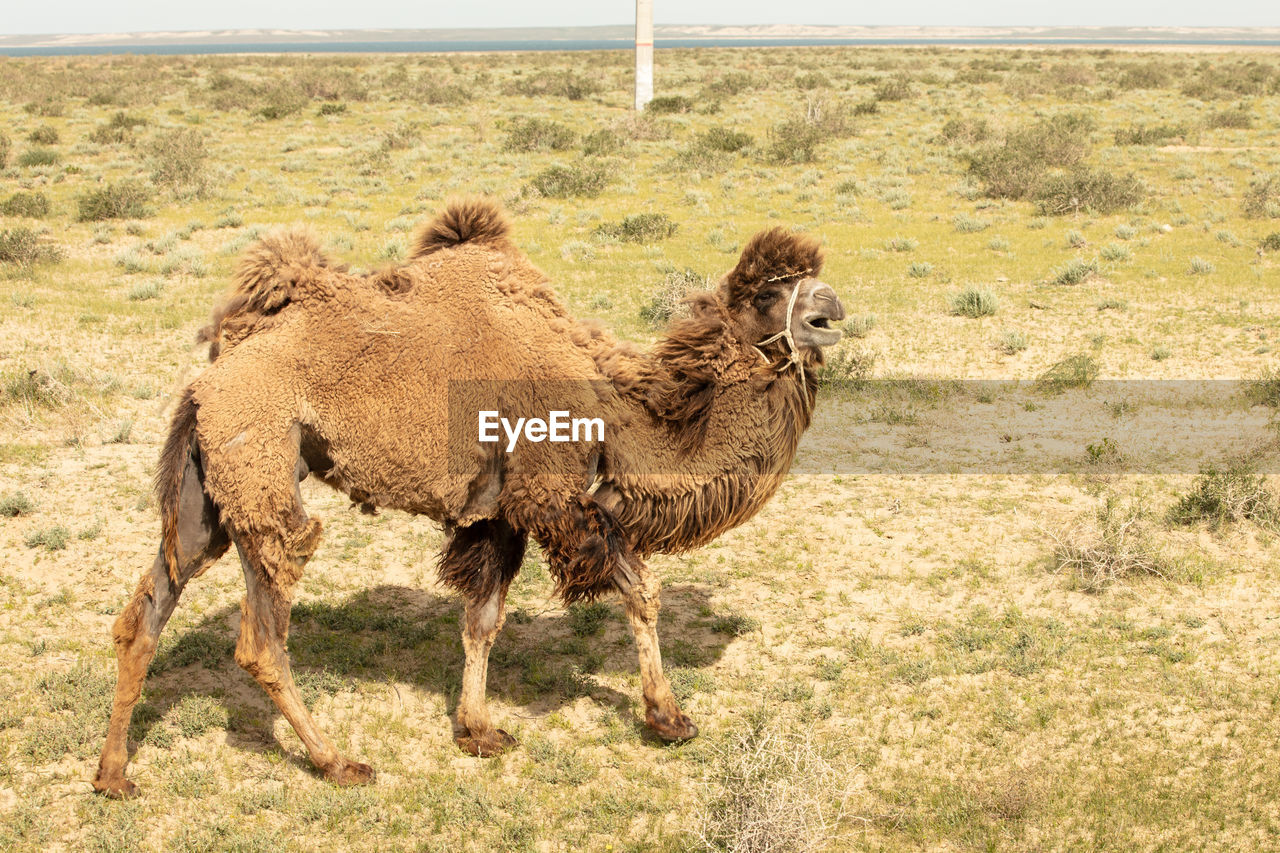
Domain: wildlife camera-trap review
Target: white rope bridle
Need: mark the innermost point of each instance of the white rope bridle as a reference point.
(785, 335)
(792, 360)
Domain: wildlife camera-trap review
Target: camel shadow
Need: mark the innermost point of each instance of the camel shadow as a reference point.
(542, 661)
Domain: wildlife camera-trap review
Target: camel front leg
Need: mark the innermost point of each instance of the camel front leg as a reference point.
(640, 590)
(475, 732)
(480, 560)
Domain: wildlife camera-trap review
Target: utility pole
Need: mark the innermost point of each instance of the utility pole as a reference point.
(644, 53)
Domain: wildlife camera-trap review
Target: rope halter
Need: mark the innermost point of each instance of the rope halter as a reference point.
(785, 335)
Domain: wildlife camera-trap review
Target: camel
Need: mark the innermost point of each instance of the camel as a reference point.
(373, 384)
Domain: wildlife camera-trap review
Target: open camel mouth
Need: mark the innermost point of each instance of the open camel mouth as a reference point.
(816, 330)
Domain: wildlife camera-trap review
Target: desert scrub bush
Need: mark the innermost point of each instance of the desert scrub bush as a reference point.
(602, 142)
(177, 159)
(1199, 266)
(126, 199)
(847, 367)
(1012, 342)
(1149, 134)
(639, 228)
(1075, 271)
(1265, 389)
(1075, 371)
(402, 136)
(1116, 544)
(1227, 495)
(965, 131)
(38, 157)
(1094, 190)
(668, 298)
(901, 244)
(966, 224)
(1015, 168)
(16, 504)
(44, 135)
(920, 269)
(669, 105)
(581, 180)
(331, 108)
(1239, 118)
(895, 88)
(564, 84)
(30, 204)
(725, 139)
(49, 538)
(1262, 199)
(538, 134)
(769, 787)
(1271, 242)
(118, 129)
(439, 90)
(24, 247)
(1144, 75)
(280, 99)
(1115, 252)
(973, 302)
(859, 327)
(5, 147)
(793, 141)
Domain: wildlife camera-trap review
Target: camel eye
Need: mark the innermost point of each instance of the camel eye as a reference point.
(765, 301)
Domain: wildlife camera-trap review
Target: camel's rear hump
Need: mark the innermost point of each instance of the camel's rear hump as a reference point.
(472, 220)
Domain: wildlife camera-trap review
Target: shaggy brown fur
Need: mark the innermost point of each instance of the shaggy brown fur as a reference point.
(373, 384)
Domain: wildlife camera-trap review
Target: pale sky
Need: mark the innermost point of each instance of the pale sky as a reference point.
(90, 16)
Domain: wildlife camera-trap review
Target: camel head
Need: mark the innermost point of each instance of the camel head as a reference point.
(777, 300)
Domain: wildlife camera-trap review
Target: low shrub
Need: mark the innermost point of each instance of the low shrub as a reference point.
(725, 139)
(1076, 271)
(1116, 545)
(602, 142)
(639, 228)
(331, 108)
(1271, 242)
(668, 298)
(966, 131)
(124, 200)
(1149, 134)
(793, 141)
(973, 302)
(1239, 118)
(1227, 495)
(582, 180)
(1262, 199)
(669, 104)
(16, 504)
(5, 147)
(38, 157)
(31, 204)
(1015, 168)
(177, 159)
(117, 130)
(1094, 190)
(564, 84)
(279, 100)
(538, 134)
(24, 247)
(1076, 371)
(895, 88)
(44, 135)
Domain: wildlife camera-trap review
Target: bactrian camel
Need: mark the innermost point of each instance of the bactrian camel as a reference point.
(373, 384)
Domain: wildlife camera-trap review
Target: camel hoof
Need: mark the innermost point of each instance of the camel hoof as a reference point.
(671, 727)
(346, 773)
(486, 745)
(119, 788)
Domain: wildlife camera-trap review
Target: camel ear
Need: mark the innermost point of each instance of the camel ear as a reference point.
(773, 255)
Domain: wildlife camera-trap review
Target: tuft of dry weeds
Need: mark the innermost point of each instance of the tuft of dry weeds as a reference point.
(771, 788)
(1113, 544)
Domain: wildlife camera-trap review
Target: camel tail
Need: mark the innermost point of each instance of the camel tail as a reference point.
(271, 274)
(472, 220)
(168, 481)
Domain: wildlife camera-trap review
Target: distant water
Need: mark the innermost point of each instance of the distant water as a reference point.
(581, 44)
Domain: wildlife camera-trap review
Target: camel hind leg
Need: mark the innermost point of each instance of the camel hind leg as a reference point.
(201, 541)
(271, 566)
